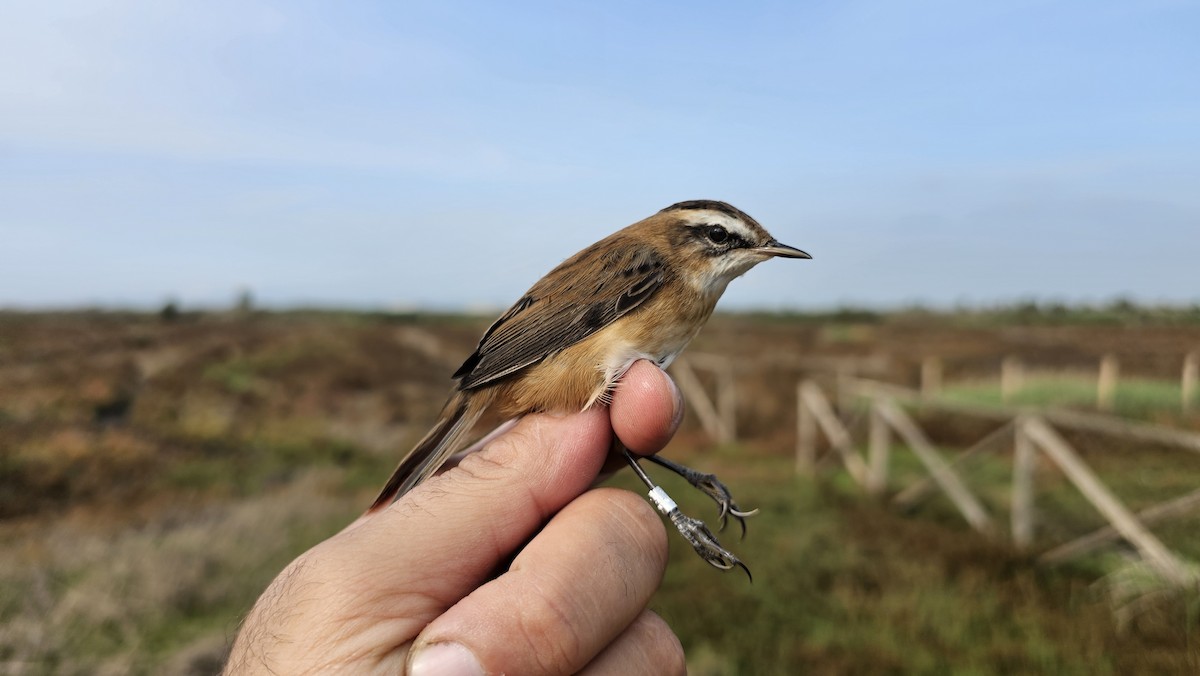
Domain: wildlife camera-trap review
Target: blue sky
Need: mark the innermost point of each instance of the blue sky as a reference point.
(447, 154)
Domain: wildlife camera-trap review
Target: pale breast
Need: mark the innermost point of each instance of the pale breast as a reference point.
(582, 374)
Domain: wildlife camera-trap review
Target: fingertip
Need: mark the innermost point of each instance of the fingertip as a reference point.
(444, 659)
(646, 409)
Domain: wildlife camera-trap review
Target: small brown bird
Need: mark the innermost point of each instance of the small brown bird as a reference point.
(641, 293)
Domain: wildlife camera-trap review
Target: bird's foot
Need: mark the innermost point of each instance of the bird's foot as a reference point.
(697, 533)
(711, 486)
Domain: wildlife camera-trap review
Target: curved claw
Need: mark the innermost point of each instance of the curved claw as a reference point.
(726, 561)
(738, 514)
(741, 522)
(706, 544)
(713, 488)
(745, 570)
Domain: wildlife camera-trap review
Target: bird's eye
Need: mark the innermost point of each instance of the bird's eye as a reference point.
(717, 234)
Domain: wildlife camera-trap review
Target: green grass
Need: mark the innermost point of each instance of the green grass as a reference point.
(256, 465)
(1136, 398)
(136, 548)
(843, 584)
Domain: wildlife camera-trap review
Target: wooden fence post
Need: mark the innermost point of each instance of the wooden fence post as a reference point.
(1190, 380)
(1125, 523)
(806, 434)
(926, 485)
(727, 401)
(880, 447)
(1106, 386)
(970, 507)
(815, 400)
(843, 396)
(1011, 377)
(931, 377)
(1024, 463)
(695, 395)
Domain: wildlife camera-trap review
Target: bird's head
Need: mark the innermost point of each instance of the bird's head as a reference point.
(714, 242)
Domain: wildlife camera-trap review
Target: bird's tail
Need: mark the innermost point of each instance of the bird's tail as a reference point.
(458, 416)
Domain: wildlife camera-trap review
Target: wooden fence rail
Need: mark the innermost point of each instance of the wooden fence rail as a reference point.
(1030, 434)
(1181, 506)
(719, 419)
(1057, 449)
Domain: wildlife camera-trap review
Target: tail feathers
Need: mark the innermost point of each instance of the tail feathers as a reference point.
(458, 417)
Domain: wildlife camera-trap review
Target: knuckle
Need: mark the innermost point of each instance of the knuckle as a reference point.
(488, 464)
(509, 456)
(546, 626)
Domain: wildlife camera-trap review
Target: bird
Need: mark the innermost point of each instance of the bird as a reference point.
(643, 292)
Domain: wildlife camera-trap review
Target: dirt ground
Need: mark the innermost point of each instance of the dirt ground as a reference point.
(126, 438)
(92, 402)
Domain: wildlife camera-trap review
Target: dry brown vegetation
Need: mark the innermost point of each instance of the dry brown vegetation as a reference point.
(155, 474)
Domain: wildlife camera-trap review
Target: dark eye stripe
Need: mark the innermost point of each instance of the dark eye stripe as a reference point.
(724, 241)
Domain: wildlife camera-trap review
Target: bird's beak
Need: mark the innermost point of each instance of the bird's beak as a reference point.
(774, 248)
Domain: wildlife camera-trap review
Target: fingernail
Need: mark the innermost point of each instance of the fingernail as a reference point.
(445, 659)
(676, 402)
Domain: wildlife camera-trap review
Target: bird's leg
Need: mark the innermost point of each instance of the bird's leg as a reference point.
(692, 530)
(710, 486)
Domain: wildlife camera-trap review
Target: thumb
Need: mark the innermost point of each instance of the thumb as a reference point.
(468, 519)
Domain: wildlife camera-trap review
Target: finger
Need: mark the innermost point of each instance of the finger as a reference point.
(451, 462)
(648, 646)
(401, 567)
(575, 588)
(646, 408)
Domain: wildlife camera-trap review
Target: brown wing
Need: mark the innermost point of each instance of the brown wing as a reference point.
(578, 298)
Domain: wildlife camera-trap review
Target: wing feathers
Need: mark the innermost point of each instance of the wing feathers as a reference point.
(555, 313)
(458, 417)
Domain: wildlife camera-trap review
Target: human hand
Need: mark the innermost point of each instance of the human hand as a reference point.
(424, 586)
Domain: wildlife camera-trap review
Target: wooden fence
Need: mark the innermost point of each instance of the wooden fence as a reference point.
(1028, 434)
(1014, 374)
(717, 413)
(719, 418)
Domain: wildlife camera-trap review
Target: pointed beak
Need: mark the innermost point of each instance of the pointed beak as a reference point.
(774, 248)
